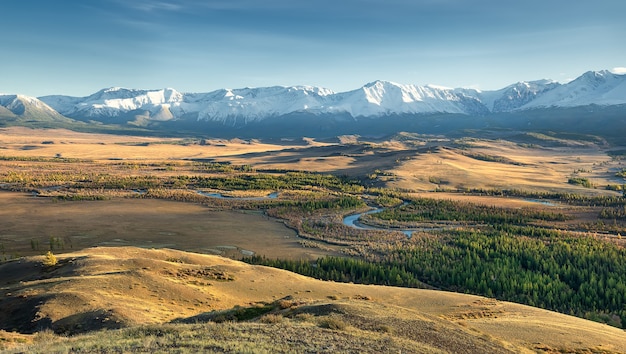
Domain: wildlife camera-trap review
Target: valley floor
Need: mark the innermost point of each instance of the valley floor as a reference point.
(148, 232)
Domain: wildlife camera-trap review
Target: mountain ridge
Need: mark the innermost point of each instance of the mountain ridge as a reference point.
(375, 99)
(594, 103)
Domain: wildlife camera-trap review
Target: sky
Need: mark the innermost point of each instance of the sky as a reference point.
(77, 47)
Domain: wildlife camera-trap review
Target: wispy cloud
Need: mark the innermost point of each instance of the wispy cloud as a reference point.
(620, 70)
(152, 6)
(149, 6)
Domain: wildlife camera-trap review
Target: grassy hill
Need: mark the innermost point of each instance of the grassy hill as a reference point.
(123, 299)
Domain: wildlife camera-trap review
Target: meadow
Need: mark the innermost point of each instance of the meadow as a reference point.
(531, 218)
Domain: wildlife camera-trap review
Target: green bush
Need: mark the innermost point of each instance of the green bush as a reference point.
(580, 181)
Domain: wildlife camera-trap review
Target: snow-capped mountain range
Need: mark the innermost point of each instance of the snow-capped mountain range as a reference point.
(375, 99)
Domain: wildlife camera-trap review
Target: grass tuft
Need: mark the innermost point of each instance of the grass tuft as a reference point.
(271, 318)
(333, 322)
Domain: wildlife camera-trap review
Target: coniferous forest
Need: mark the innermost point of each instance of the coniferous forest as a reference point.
(508, 254)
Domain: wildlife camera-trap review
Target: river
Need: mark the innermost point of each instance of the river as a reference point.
(353, 221)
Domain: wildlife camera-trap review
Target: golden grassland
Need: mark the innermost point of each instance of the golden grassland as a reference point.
(115, 287)
(37, 160)
(527, 168)
(154, 298)
(420, 164)
(18, 141)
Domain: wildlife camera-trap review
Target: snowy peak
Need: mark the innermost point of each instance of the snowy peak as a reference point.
(593, 87)
(380, 98)
(115, 101)
(375, 99)
(601, 75)
(252, 104)
(20, 105)
(377, 91)
(517, 95)
(132, 99)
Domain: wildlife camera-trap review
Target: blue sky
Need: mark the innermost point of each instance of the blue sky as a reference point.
(76, 47)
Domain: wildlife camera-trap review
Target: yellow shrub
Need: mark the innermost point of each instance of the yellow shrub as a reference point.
(49, 260)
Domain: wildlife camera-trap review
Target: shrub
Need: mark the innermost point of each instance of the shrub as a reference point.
(333, 323)
(305, 317)
(285, 304)
(49, 260)
(383, 328)
(271, 318)
(580, 181)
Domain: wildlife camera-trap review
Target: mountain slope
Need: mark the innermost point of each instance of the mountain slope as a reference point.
(119, 287)
(381, 98)
(514, 96)
(593, 87)
(30, 108)
(594, 103)
(114, 102)
(250, 103)
(376, 99)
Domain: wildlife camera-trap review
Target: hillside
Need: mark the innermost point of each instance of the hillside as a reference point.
(172, 300)
(24, 110)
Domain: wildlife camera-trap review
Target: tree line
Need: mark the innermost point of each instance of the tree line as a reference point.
(423, 209)
(581, 276)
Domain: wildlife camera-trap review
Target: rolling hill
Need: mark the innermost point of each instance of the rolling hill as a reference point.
(167, 300)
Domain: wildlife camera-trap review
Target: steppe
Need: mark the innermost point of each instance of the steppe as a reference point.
(168, 295)
(147, 263)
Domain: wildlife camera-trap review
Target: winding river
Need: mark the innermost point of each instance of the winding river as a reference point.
(350, 220)
(353, 221)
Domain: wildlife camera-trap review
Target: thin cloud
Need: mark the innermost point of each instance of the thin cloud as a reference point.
(620, 70)
(152, 6)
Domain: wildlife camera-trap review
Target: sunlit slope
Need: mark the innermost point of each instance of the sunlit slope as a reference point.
(118, 287)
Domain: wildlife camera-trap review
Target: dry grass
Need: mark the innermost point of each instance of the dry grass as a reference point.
(418, 164)
(143, 223)
(120, 287)
(255, 337)
(18, 141)
(136, 292)
(271, 318)
(535, 168)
